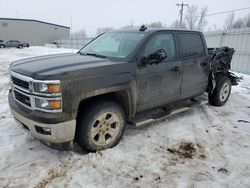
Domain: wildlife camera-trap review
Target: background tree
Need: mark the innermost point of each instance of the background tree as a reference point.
(103, 30)
(228, 23)
(195, 18)
(239, 23)
(231, 23)
(155, 25)
(247, 20)
(176, 25)
(80, 34)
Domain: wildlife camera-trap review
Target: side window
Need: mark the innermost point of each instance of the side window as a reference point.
(190, 44)
(161, 41)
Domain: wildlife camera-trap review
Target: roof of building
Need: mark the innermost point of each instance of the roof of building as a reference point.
(32, 20)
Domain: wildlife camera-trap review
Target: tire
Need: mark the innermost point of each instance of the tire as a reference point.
(100, 127)
(20, 46)
(28, 45)
(221, 92)
(2, 46)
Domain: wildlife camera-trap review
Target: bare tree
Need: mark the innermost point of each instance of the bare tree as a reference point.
(228, 24)
(176, 25)
(231, 23)
(103, 30)
(202, 22)
(130, 25)
(195, 18)
(239, 23)
(155, 25)
(247, 21)
(81, 33)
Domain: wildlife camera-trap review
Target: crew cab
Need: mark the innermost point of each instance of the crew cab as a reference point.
(122, 77)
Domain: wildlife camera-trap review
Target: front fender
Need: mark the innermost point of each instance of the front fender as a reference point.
(78, 91)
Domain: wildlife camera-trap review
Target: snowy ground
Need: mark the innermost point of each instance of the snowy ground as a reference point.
(204, 147)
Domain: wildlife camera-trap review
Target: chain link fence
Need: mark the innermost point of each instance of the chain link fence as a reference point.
(73, 43)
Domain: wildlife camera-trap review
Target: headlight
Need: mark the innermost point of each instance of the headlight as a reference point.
(49, 88)
(51, 104)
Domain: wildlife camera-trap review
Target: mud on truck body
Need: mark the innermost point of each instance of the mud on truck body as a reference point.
(128, 76)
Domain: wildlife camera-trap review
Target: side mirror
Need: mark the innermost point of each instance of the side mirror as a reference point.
(155, 58)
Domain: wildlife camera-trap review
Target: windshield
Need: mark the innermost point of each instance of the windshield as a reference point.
(113, 44)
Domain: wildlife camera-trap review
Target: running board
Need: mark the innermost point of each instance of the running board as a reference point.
(147, 117)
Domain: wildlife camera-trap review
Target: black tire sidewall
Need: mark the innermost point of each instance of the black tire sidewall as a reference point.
(214, 98)
(85, 122)
(20, 46)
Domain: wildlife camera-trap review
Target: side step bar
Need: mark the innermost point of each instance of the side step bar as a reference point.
(148, 118)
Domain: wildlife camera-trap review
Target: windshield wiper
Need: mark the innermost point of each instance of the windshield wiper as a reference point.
(93, 54)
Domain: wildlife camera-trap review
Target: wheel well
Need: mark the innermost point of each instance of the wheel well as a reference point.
(120, 98)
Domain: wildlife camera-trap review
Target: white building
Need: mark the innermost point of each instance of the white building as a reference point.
(32, 31)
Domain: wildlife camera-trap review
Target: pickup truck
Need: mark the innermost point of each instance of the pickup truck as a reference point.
(122, 77)
(13, 43)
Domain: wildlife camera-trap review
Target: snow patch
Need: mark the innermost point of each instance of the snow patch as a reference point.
(203, 147)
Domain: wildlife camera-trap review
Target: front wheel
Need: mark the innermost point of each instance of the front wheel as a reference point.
(20, 46)
(221, 92)
(2, 46)
(100, 127)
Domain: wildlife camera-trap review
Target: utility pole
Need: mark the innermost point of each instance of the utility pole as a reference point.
(71, 25)
(181, 11)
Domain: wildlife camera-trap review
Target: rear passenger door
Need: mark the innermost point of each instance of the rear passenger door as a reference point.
(192, 52)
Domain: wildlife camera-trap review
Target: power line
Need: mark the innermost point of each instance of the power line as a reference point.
(234, 10)
(181, 11)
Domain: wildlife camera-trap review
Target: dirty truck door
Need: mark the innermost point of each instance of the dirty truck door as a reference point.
(159, 84)
(194, 60)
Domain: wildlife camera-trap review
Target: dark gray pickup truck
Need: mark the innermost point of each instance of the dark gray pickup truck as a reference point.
(127, 76)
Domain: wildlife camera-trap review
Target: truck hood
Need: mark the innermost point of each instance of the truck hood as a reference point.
(59, 65)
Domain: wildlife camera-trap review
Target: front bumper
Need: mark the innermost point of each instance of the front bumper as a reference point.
(59, 132)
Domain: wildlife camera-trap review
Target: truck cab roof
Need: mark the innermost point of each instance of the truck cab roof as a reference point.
(153, 30)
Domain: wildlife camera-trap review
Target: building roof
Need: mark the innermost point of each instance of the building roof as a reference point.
(32, 20)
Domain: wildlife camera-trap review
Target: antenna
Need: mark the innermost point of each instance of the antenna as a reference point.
(143, 28)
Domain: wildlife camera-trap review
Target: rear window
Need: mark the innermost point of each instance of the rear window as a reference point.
(190, 44)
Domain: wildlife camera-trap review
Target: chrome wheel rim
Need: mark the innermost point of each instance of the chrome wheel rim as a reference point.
(224, 92)
(105, 128)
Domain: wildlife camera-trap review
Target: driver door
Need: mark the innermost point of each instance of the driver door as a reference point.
(159, 84)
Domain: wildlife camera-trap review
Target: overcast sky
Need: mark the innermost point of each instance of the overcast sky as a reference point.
(91, 14)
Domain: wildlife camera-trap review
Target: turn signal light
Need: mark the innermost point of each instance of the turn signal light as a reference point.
(54, 88)
(55, 104)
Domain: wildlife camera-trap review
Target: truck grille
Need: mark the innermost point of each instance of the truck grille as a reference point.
(20, 83)
(22, 98)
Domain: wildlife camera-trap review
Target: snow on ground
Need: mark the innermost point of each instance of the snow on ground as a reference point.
(204, 147)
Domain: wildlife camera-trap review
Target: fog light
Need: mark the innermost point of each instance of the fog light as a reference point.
(43, 130)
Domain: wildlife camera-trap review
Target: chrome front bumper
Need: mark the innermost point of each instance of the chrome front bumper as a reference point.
(59, 133)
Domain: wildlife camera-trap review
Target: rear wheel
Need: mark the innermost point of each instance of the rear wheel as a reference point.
(2, 46)
(221, 92)
(101, 127)
(20, 46)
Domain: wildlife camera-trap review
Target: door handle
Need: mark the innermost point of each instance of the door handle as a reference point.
(175, 69)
